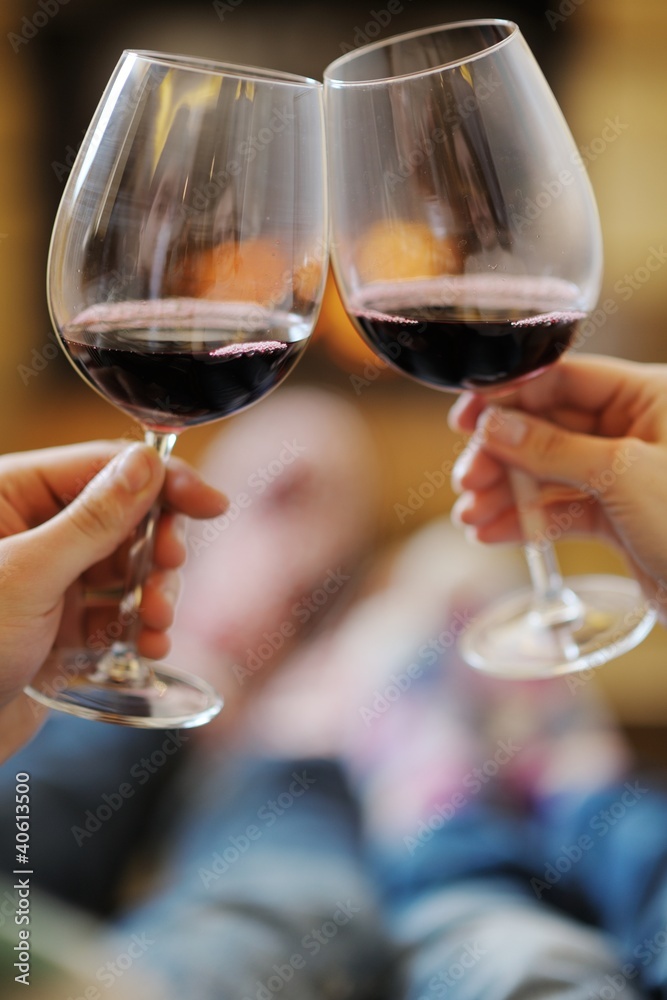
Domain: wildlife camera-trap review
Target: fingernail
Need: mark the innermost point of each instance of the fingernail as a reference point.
(470, 534)
(133, 469)
(171, 589)
(461, 466)
(180, 528)
(459, 508)
(506, 426)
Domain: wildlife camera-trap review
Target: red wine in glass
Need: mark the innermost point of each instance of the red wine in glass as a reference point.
(178, 363)
(430, 331)
(467, 248)
(184, 280)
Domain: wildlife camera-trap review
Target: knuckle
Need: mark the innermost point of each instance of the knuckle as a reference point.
(549, 442)
(93, 514)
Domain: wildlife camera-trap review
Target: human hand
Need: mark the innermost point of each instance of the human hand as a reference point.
(593, 432)
(51, 547)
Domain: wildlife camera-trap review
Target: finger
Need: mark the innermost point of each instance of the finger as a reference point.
(68, 466)
(186, 491)
(587, 383)
(476, 470)
(560, 521)
(546, 451)
(35, 485)
(153, 645)
(480, 508)
(505, 528)
(465, 411)
(158, 602)
(169, 553)
(170, 541)
(95, 523)
(19, 721)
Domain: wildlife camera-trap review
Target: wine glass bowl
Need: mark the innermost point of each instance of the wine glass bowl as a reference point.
(467, 250)
(185, 274)
(445, 229)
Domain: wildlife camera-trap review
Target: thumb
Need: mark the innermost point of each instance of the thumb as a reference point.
(544, 449)
(99, 519)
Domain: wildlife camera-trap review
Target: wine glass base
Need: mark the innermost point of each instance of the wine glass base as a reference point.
(72, 682)
(509, 639)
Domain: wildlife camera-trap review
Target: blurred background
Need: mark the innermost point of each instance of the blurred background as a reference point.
(605, 62)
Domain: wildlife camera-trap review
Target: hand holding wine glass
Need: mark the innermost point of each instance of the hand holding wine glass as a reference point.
(467, 250)
(186, 269)
(592, 431)
(51, 556)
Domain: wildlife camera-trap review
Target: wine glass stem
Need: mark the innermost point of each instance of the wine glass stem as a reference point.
(555, 603)
(122, 664)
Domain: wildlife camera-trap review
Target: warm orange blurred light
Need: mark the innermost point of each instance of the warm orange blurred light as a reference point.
(339, 336)
(400, 251)
(249, 271)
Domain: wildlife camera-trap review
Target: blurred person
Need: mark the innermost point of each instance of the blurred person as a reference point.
(370, 701)
(372, 750)
(48, 545)
(466, 786)
(589, 842)
(251, 880)
(549, 879)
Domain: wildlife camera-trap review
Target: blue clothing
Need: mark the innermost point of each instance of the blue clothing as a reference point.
(258, 881)
(262, 885)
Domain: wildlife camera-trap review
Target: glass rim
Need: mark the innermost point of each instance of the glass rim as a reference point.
(331, 80)
(200, 64)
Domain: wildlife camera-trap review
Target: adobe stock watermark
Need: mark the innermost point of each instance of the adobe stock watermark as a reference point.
(302, 611)
(110, 972)
(40, 359)
(450, 977)
(64, 672)
(312, 943)
(224, 8)
(31, 25)
(126, 101)
(592, 490)
(257, 484)
(631, 620)
(401, 681)
(436, 479)
(613, 986)
(267, 816)
(132, 434)
(139, 774)
(373, 369)
(552, 189)
(625, 288)
(377, 20)
(599, 826)
(62, 168)
(246, 152)
(453, 117)
(112, 285)
(565, 10)
(472, 784)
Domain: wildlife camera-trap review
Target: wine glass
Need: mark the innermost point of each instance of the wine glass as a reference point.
(185, 274)
(467, 250)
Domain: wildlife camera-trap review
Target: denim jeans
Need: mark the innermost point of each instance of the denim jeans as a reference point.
(256, 879)
(260, 885)
(571, 902)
